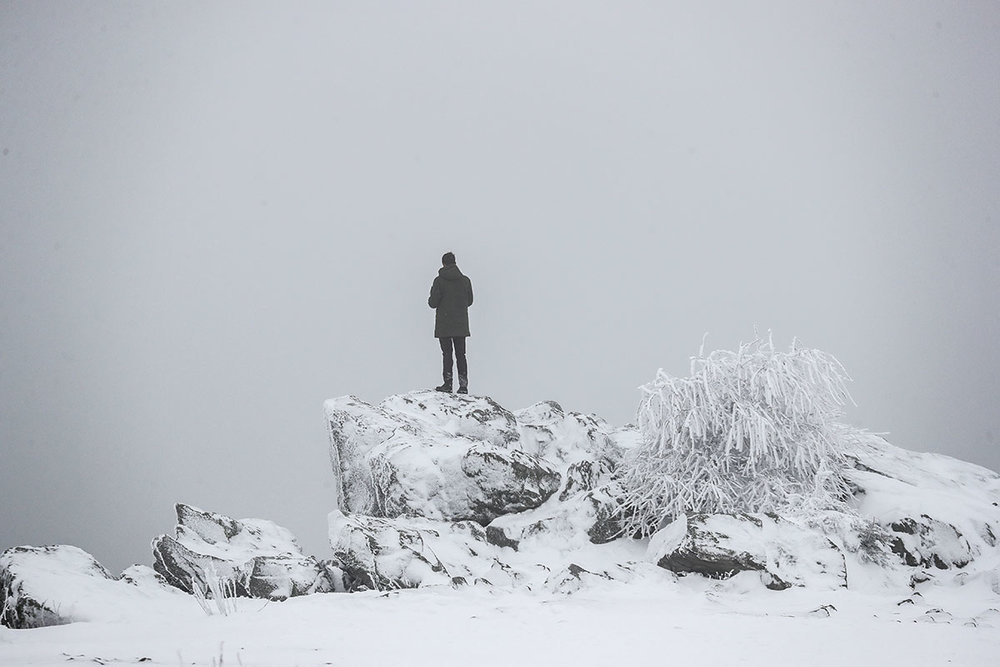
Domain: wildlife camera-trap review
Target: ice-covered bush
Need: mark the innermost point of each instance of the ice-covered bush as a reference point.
(221, 590)
(748, 431)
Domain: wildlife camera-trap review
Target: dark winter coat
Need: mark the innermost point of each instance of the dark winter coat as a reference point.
(451, 296)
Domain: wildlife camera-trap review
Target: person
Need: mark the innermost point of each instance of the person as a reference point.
(451, 296)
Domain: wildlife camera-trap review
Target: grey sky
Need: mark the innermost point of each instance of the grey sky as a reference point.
(215, 216)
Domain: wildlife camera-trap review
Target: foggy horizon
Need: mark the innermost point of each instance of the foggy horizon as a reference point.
(215, 217)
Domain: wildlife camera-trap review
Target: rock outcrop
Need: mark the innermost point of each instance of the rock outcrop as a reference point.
(721, 545)
(938, 512)
(434, 455)
(256, 558)
(426, 469)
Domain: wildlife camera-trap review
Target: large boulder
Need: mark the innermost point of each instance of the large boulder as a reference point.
(255, 557)
(434, 455)
(385, 554)
(31, 579)
(55, 585)
(721, 545)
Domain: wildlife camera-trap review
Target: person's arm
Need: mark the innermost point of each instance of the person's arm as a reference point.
(470, 291)
(435, 298)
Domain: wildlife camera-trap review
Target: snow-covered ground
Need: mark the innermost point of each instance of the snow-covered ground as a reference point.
(654, 619)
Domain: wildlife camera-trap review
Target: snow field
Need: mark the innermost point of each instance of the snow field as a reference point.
(653, 620)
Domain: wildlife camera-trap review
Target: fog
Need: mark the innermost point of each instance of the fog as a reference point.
(215, 216)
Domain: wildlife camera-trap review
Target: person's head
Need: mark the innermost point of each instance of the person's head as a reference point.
(448, 259)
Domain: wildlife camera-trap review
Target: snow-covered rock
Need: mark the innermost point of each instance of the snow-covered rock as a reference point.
(927, 542)
(144, 577)
(720, 545)
(28, 599)
(55, 585)
(477, 418)
(434, 455)
(573, 578)
(258, 557)
(407, 552)
(938, 511)
(590, 517)
(546, 430)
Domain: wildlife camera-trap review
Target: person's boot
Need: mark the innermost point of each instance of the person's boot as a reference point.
(446, 386)
(463, 384)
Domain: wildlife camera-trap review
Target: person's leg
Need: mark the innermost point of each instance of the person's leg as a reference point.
(463, 365)
(446, 362)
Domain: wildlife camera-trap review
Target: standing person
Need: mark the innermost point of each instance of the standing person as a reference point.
(451, 296)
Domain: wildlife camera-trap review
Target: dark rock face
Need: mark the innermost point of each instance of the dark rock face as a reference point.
(587, 475)
(185, 568)
(505, 482)
(27, 598)
(257, 558)
(927, 542)
(591, 517)
(497, 536)
(720, 545)
(717, 563)
(711, 552)
(606, 504)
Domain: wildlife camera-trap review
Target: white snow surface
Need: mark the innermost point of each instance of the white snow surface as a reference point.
(653, 619)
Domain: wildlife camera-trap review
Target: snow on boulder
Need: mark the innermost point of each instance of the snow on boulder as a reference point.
(574, 578)
(503, 481)
(926, 542)
(144, 577)
(384, 554)
(30, 597)
(55, 585)
(565, 438)
(478, 418)
(939, 511)
(720, 545)
(590, 517)
(454, 480)
(355, 429)
(435, 455)
(258, 557)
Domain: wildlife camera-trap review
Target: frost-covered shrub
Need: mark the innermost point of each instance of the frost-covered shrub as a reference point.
(219, 589)
(748, 431)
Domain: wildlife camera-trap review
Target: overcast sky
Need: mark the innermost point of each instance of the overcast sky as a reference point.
(214, 216)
